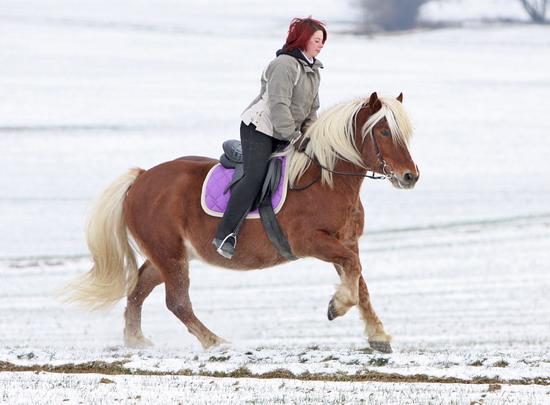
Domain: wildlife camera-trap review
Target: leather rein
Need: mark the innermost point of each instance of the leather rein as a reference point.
(386, 170)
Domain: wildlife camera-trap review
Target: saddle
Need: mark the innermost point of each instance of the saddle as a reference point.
(232, 158)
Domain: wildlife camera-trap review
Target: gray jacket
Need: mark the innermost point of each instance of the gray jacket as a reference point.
(288, 99)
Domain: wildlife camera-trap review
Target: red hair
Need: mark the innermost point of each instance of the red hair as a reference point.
(300, 32)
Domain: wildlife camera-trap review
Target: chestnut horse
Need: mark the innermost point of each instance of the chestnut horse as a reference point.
(159, 209)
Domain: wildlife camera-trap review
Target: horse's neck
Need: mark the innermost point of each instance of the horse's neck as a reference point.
(353, 179)
(350, 182)
(348, 185)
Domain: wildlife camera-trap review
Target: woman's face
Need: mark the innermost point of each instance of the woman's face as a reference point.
(315, 44)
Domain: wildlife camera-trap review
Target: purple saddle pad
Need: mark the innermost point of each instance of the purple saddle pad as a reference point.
(214, 200)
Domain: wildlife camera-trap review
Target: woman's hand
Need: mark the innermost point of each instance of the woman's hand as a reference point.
(300, 143)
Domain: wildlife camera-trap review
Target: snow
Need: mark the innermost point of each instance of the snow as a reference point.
(457, 268)
(93, 388)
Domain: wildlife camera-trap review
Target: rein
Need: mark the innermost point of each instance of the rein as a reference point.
(387, 173)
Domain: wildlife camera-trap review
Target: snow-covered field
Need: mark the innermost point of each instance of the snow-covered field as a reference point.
(457, 267)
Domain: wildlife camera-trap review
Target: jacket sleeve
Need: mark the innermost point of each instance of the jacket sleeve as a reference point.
(312, 116)
(280, 85)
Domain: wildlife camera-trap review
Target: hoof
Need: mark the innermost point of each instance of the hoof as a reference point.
(383, 347)
(331, 313)
(215, 343)
(221, 346)
(138, 343)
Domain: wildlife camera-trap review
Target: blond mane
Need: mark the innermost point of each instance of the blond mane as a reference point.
(332, 136)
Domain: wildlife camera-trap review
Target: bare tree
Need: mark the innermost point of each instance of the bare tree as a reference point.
(391, 15)
(536, 9)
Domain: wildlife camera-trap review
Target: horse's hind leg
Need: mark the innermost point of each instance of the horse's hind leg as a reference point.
(176, 280)
(149, 278)
(378, 338)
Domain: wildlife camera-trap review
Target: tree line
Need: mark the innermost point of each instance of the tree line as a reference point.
(393, 15)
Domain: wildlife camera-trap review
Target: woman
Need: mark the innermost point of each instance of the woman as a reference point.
(286, 107)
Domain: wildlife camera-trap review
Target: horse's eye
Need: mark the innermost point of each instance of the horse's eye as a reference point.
(386, 132)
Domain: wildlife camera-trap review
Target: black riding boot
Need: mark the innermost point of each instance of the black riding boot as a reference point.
(257, 148)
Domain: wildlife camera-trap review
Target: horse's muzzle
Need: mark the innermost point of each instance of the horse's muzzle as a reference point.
(405, 180)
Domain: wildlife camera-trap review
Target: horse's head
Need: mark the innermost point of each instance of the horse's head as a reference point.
(383, 130)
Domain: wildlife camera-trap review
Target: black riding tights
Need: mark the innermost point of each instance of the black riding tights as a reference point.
(257, 148)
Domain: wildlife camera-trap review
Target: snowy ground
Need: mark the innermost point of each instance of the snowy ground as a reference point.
(202, 390)
(457, 309)
(457, 268)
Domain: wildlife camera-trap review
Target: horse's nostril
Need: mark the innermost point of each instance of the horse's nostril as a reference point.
(409, 177)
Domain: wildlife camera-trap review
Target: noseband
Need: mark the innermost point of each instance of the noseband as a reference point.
(385, 168)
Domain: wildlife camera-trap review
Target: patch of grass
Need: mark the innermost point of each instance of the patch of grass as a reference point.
(329, 358)
(313, 347)
(26, 356)
(501, 363)
(379, 361)
(118, 368)
(477, 363)
(279, 373)
(219, 358)
(98, 367)
(240, 372)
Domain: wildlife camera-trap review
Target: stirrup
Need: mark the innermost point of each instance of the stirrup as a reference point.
(225, 247)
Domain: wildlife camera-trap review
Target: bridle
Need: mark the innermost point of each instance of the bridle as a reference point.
(385, 169)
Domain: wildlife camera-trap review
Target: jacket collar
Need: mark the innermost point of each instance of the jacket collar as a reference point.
(296, 53)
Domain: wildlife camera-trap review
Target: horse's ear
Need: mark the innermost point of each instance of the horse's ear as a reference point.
(400, 97)
(374, 103)
(373, 98)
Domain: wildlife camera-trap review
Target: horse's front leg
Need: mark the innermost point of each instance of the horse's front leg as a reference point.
(379, 339)
(323, 246)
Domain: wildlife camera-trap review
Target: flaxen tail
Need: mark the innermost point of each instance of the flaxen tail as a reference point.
(115, 272)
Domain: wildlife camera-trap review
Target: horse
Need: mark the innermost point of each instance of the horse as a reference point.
(157, 212)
